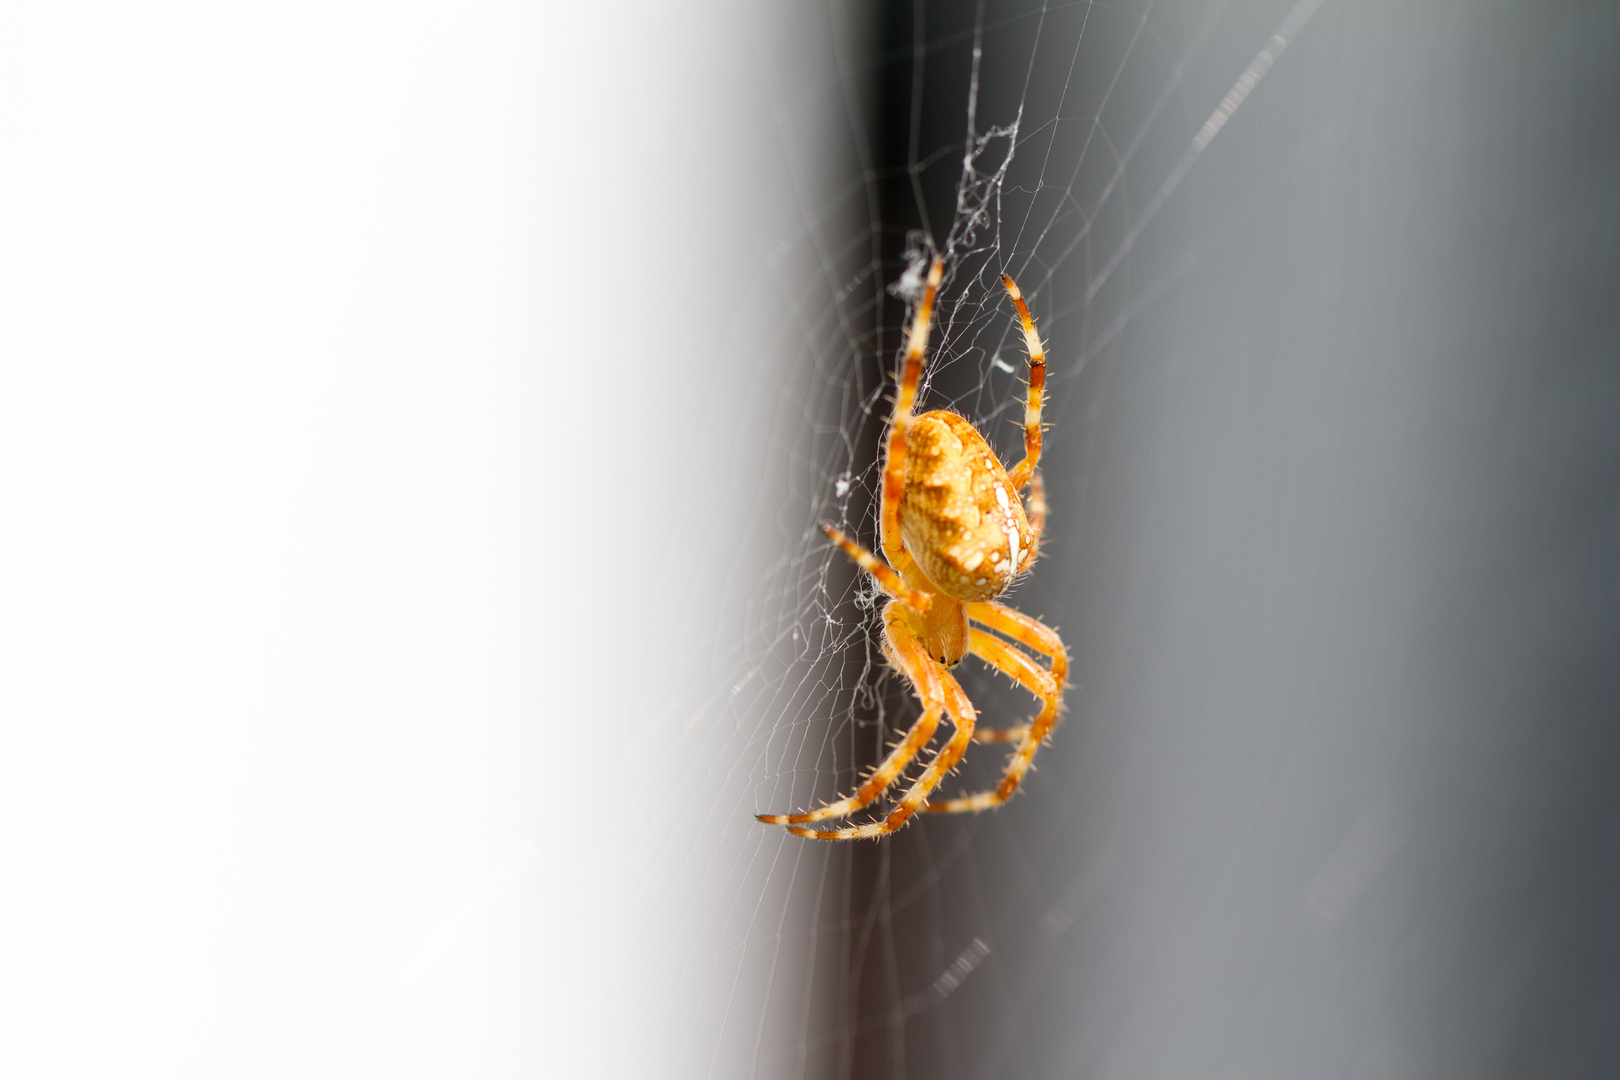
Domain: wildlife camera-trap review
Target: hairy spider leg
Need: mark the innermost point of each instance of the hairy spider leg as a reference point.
(1021, 473)
(912, 661)
(1037, 681)
(887, 579)
(995, 735)
(1035, 504)
(962, 716)
(1027, 631)
(894, 469)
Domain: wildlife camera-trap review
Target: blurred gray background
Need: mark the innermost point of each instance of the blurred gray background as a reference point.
(1335, 545)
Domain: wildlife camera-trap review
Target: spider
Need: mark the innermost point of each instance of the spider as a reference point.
(955, 534)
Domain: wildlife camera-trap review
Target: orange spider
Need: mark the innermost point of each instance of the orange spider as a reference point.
(955, 536)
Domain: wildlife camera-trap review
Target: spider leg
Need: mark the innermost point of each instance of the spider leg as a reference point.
(894, 469)
(1036, 504)
(957, 707)
(887, 579)
(1037, 681)
(1027, 631)
(1022, 472)
(906, 653)
(1000, 734)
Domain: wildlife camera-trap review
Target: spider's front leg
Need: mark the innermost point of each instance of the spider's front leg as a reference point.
(1024, 470)
(894, 467)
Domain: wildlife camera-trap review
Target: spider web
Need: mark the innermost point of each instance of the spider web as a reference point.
(1121, 162)
(1043, 141)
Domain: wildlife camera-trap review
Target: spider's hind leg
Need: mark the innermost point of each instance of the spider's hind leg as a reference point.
(924, 677)
(1047, 686)
(1036, 505)
(937, 689)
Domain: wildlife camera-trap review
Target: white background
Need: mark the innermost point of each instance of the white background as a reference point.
(350, 489)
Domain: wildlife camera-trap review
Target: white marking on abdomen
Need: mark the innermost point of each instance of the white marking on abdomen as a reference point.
(1012, 530)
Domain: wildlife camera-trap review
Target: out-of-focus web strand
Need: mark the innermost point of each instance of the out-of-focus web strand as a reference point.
(1292, 24)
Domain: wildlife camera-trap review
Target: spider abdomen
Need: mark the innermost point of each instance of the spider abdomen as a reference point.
(960, 516)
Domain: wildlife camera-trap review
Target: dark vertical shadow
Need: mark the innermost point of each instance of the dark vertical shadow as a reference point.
(920, 106)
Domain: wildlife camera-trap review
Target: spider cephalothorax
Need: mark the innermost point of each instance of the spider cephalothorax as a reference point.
(955, 534)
